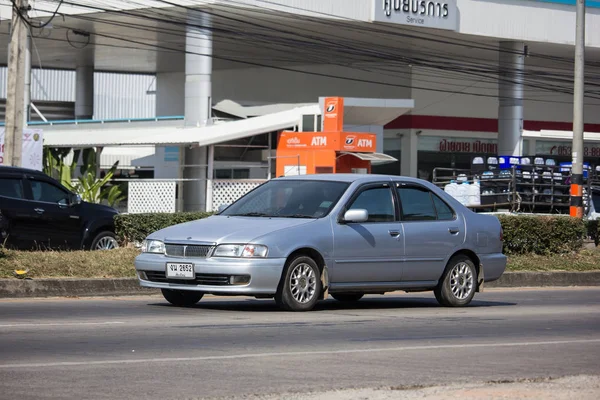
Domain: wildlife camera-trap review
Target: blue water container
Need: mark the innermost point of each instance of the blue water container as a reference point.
(507, 162)
(566, 167)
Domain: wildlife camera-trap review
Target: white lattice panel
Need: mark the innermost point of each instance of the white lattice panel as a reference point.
(145, 197)
(228, 191)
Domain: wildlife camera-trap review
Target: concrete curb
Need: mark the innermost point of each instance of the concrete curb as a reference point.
(19, 288)
(541, 279)
(23, 288)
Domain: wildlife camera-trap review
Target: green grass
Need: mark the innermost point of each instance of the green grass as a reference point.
(119, 263)
(584, 260)
(69, 264)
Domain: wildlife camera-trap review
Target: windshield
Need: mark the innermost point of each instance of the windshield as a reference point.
(289, 199)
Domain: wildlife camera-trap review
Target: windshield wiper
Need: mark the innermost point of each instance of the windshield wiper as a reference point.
(297, 216)
(250, 214)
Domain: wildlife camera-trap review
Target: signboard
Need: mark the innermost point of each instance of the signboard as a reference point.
(588, 3)
(457, 145)
(359, 142)
(33, 149)
(344, 141)
(440, 14)
(563, 149)
(333, 114)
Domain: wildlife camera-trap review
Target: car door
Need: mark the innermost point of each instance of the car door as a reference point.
(433, 231)
(60, 224)
(20, 218)
(370, 251)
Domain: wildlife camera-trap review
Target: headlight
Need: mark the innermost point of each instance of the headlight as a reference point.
(153, 246)
(240, 250)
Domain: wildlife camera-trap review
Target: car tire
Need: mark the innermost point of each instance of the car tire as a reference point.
(347, 297)
(458, 283)
(105, 240)
(300, 287)
(182, 298)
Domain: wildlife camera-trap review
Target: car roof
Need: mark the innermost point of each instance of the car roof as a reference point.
(349, 178)
(19, 170)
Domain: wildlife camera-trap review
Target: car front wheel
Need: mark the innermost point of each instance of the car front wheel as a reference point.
(458, 284)
(301, 285)
(181, 298)
(105, 241)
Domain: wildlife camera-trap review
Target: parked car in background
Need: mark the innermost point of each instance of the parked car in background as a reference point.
(297, 238)
(39, 213)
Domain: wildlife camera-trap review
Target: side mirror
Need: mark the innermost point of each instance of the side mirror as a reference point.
(75, 199)
(222, 207)
(356, 215)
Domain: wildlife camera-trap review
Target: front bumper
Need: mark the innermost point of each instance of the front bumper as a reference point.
(213, 274)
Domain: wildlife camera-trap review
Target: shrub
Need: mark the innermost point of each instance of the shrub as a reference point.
(132, 228)
(523, 234)
(542, 234)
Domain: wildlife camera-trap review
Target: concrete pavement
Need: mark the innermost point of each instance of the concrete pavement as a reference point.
(140, 347)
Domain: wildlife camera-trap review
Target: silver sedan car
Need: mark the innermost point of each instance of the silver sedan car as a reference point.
(299, 239)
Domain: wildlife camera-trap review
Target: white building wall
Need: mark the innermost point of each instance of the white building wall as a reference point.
(270, 85)
(555, 107)
(526, 20)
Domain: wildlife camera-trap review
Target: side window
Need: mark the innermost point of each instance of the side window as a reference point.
(46, 192)
(416, 204)
(378, 202)
(11, 187)
(444, 212)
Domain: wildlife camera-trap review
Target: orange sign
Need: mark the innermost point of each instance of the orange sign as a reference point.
(307, 140)
(333, 114)
(360, 142)
(337, 141)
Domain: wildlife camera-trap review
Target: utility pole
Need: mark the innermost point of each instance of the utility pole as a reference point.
(576, 209)
(15, 100)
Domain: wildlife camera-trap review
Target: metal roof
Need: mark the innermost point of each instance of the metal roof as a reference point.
(177, 135)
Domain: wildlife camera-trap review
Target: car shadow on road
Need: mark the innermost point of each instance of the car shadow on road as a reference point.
(367, 303)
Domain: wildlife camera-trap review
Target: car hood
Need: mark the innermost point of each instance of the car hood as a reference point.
(98, 208)
(224, 229)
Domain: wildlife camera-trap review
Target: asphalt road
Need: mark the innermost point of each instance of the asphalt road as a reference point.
(110, 348)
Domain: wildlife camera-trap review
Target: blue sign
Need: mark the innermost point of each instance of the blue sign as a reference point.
(171, 153)
(588, 3)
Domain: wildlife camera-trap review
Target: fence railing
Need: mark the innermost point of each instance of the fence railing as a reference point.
(163, 195)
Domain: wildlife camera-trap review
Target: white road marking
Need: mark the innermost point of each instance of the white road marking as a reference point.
(60, 324)
(297, 353)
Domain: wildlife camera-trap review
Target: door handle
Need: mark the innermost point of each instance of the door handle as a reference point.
(39, 210)
(394, 233)
(453, 230)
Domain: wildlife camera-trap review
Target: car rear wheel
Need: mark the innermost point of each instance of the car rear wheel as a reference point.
(347, 297)
(105, 241)
(300, 288)
(181, 298)
(458, 284)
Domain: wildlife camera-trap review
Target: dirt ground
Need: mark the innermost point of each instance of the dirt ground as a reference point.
(578, 387)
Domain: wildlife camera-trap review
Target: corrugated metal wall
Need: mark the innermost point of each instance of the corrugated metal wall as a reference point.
(115, 95)
(123, 96)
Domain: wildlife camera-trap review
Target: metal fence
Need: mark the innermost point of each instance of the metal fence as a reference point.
(163, 195)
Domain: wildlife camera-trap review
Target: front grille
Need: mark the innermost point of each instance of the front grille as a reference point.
(187, 250)
(201, 279)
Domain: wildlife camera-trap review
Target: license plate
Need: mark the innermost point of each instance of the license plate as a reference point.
(180, 271)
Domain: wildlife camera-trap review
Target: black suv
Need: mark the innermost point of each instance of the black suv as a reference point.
(37, 212)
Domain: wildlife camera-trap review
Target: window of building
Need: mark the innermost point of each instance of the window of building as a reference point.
(231, 173)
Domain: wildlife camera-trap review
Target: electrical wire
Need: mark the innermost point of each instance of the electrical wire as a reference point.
(545, 81)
